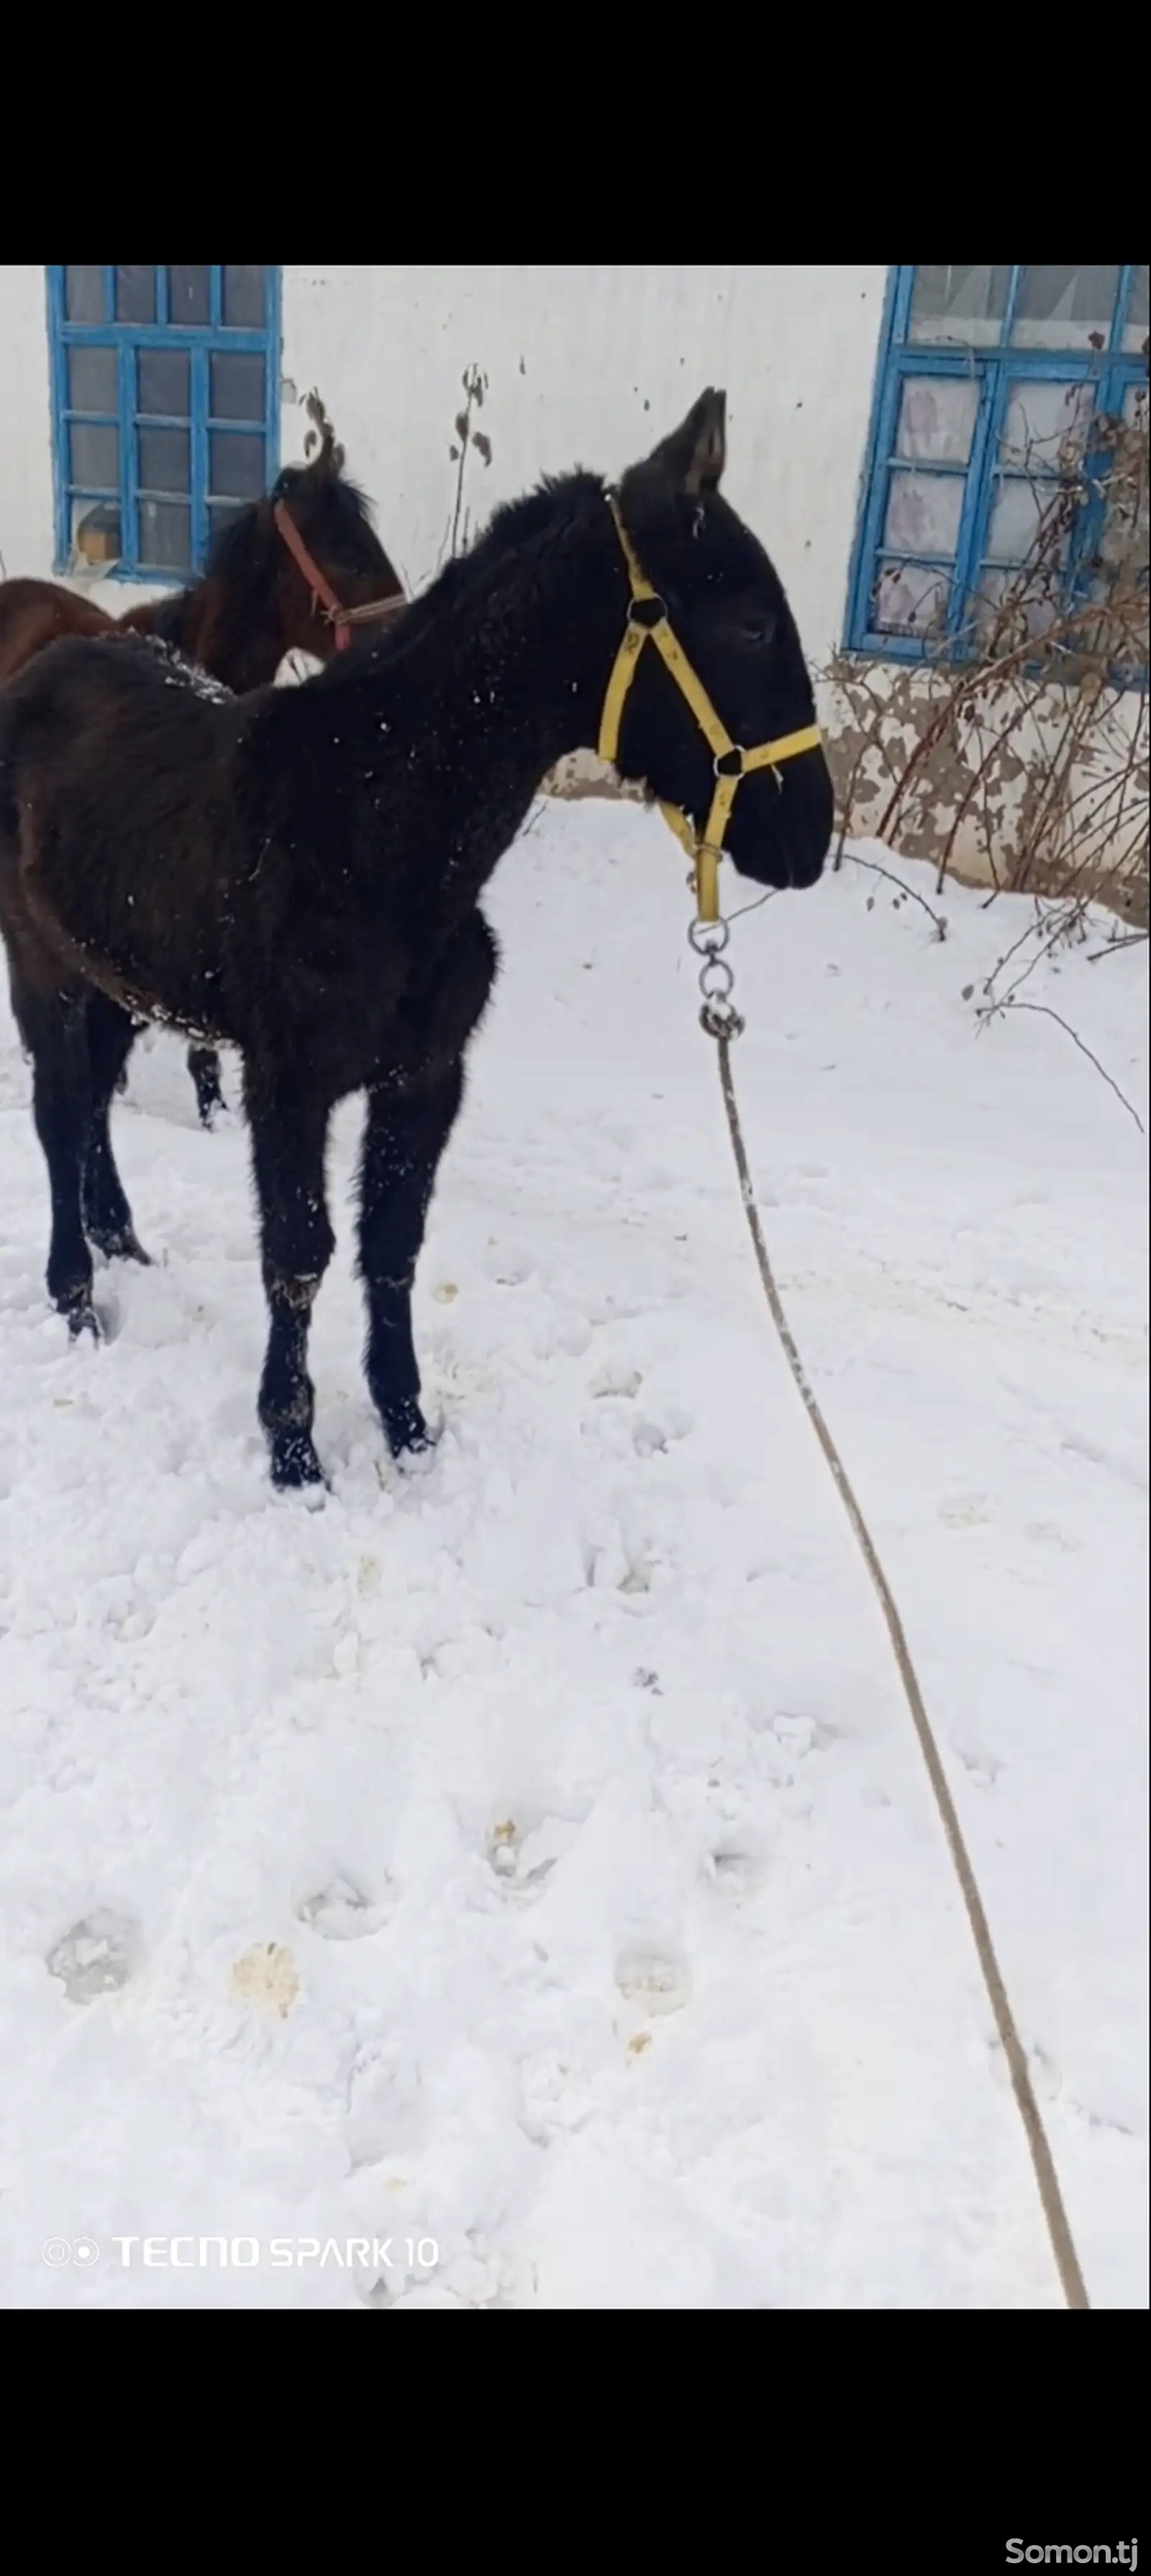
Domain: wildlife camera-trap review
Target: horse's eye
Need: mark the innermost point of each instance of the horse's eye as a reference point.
(759, 631)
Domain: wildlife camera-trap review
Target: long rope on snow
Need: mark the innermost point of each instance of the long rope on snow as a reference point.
(1067, 2262)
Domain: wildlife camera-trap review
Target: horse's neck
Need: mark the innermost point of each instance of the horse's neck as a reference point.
(499, 688)
(243, 651)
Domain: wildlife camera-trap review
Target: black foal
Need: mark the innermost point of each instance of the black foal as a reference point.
(299, 873)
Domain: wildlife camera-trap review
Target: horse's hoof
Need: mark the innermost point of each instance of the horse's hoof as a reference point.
(82, 1320)
(407, 1434)
(123, 1244)
(211, 1105)
(295, 1466)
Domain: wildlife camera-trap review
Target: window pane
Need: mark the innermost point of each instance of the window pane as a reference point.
(910, 599)
(1064, 308)
(165, 535)
(937, 417)
(95, 531)
(189, 295)
(1018, 509)
(163, 460)
(1135, 330)
(237, 388)
(162, 377)
(135, 295)
(244, 298)
(923, 513)
(92, 380)
(1046, 424)
(84, 295)
(237, 465)
(1123, 544)
(95, 456)
(964, 304)
(1015, 605)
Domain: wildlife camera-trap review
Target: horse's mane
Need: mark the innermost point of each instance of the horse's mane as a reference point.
(551, 508)
(239, 549)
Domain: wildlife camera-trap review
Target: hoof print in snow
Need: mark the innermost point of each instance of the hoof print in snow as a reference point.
(616, 1380)
(636, 1577)
(798, 1736)
(981, 1767)
(966, 1511)
(378, 2296)
(1049, 1534)
(447, 1293)
(648, 1978)
(733, 1873)
(612, 1566)
(503, 1847)
(266, 1976)
(508, 1852)
(340, 1912)
(95, 1958)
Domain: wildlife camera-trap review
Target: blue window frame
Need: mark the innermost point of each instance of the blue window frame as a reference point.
(985, 375)
(165, 409)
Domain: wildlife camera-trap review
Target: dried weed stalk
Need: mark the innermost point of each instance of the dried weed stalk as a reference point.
(1022, 743)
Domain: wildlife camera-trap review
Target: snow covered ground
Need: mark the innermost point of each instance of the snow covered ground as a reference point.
(519, 1887)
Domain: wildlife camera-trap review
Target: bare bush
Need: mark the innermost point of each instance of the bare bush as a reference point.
(1021, 744)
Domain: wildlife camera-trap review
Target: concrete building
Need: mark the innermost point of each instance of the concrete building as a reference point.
(894, 434)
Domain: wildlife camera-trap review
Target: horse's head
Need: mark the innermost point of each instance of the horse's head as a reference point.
(332, 524)
(727, 611)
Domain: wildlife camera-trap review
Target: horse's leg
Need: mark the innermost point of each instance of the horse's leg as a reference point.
(403, 1141)
(122, 1076)
(104, 1207)
(204, 1067)
(53, 1027)
(289, 1129)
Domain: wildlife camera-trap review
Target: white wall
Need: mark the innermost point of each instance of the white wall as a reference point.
(585, 366)
(591, 366)
(26, 535)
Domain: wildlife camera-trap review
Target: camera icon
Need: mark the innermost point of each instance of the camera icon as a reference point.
(57, 2252)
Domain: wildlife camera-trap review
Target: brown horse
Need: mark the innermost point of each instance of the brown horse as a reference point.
(295, 572)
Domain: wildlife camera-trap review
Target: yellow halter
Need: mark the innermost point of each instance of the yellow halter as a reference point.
(647, 616)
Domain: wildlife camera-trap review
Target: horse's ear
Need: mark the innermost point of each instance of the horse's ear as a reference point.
(695, 454)
(324, 456)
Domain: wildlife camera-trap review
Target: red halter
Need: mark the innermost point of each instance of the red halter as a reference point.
(323, 595)
(373, 612)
